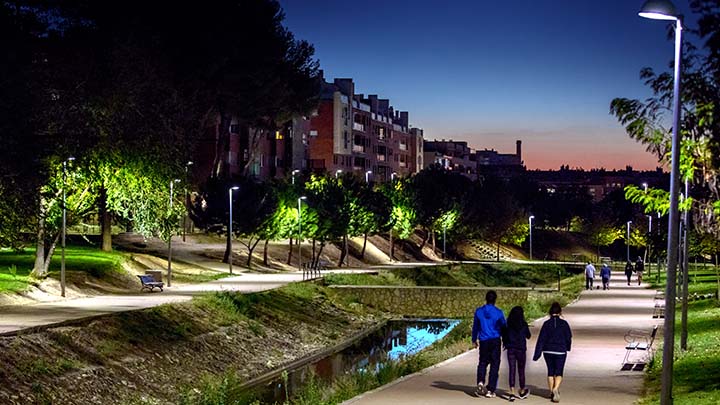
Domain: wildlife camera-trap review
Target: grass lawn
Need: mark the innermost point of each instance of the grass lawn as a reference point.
(696, 375)
(88, 260)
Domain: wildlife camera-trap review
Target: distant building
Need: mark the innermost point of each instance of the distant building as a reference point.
(451, 155)
(354, 133)
(596, 182)
(490, 161)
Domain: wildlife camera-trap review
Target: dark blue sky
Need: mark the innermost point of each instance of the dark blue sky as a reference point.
(490, 72)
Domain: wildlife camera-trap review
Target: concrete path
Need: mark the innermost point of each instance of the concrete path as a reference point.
(18, 317)
(599, 320)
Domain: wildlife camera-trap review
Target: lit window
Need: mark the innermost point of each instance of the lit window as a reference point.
(313, 132)
(278, 136)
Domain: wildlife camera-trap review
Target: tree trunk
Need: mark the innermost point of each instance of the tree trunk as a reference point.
(392, 246)
(312, 258)
(316, 260)
(265, 249)
(251, 248)
(39, 267)
(343, 252)
(498, 250)
(433, 241)
(289, 260)
(222, 146)
(362, 254)
(49, 254)
(425, 239)
(226, 256)
(105, 221)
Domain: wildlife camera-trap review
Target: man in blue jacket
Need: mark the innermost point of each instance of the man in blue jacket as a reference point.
(487, 326)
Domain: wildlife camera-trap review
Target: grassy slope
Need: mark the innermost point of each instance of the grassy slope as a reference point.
(90, 261)
(697, 371)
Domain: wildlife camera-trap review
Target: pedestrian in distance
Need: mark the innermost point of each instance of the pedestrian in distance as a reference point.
(628, 271)
(514, 338)
(639, 269)
(553, 343)
(605, 276)
(488, 324)
(589, 276)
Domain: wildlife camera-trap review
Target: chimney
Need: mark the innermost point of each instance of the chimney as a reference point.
(518, 149)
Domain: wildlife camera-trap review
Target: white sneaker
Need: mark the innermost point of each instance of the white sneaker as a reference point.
(490, 394)
(481, 390)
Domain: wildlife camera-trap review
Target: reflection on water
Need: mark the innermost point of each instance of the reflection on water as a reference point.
(391, 342)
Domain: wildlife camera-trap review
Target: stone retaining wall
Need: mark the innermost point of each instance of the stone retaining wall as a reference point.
(445, 302)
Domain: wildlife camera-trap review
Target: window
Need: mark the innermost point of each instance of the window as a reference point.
(313, 132)
(278, 136)
(234, 129)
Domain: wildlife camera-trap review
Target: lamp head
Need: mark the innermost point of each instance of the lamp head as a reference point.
(235, 188)
(71, 158)
(532, 216)
(295, 171)
(302, 198)
(176, 181)
(659, 10)
(189, 163)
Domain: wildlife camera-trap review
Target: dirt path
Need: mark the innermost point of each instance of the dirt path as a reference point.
(599, 320)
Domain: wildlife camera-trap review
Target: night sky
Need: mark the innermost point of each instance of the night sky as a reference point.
(491, 72)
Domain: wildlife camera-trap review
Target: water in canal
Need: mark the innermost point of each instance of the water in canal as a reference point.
(390, 342)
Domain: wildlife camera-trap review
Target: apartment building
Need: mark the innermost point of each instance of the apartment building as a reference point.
(359, 134)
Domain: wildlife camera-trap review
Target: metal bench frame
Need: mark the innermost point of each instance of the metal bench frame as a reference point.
(638, 340)
(149, 283)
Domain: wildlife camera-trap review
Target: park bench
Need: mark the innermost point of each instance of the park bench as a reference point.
(149, 282)
(638, 340)
(659, 309)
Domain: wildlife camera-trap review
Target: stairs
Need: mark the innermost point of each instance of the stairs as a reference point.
(489, 252)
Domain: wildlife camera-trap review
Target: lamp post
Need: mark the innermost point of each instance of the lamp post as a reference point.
(293, 173)
(645, 186)
(627, 240)
(300, 232)
(169, 268)
(444, 238)
(337, 173)
(392, 176)
(187, 166)
(530, 220)
(64, 227)
(665, 10)
(230, 232)
(367, 176)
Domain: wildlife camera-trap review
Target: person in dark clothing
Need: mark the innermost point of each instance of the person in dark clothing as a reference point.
(639, 269)
(628, 270)
(553, 343)
(605, 276)
(488, 323)
(514, 337)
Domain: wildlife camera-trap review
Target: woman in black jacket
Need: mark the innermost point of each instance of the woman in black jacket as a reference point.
(514, 337)
(553, 343)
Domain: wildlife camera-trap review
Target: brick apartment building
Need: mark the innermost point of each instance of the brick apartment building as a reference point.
(354, 133)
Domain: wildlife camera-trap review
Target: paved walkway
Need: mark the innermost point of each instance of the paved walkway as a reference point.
(599, 320)
(18, 317)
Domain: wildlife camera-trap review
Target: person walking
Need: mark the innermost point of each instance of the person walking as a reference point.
(628, 270)
(589, 276)
(553, 343)
(639, 269)
(605, 276)
(488, 323)
(514, 338)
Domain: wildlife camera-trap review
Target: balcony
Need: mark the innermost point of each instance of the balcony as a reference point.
(358, 148)
(358, 127)
(403, 146)
(381, 158)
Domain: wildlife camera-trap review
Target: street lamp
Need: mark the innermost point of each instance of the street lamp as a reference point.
(187, 166)
(293, 173)
(300, 232)
(169, 268)
(444, 238)
(645, 186)
(649, 224)
(531, 221)
(367, 176)
(392, 176)
(665, 10)
(230, 218)
(337, 173)
(627, 240)
(64, 228)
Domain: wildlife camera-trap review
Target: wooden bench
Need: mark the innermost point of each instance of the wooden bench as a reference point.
(149, 282)
(638, 340)
(659, 309)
